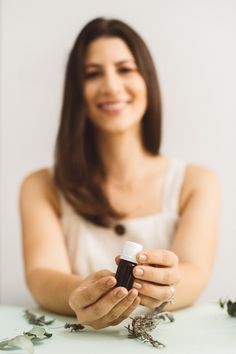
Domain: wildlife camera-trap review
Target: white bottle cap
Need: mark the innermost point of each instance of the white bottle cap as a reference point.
(130, 251)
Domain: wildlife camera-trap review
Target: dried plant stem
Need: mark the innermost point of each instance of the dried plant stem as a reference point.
(142, 325)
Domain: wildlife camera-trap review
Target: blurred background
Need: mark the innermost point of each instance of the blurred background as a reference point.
(194, 47)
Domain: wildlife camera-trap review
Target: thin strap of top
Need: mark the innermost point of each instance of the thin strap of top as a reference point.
(173, 184)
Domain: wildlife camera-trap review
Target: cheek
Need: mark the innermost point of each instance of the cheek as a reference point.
(141, 90)
(89, 93)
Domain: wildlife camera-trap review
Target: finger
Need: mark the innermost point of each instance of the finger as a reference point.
(160, 292)
(104, 305)
(158, 257)
(165, 276)
(87, 295)
(128, 312)
(100, 274)
(117, 259)
(120, 311)
(149, 302)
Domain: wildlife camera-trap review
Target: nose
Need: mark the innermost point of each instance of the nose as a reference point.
(112, 83)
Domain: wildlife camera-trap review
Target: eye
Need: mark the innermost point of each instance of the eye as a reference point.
(92, 75)
(124, 70)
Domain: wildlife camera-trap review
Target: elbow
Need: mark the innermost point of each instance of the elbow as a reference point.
(34, 283)
(201, 282)
(193, 282)
(30, 279)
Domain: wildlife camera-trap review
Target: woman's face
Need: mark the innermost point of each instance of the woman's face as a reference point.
(115, 92)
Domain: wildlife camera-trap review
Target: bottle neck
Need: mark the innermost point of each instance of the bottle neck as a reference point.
(129, 259)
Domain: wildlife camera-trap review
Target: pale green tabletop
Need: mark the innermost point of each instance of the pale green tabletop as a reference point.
(203, 329)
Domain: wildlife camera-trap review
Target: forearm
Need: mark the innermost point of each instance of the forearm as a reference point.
(51, 289)
(193, 281)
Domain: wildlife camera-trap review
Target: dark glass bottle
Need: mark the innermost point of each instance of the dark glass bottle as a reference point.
(124, 273)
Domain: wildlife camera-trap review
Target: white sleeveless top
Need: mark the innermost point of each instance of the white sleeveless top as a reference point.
(92, 248)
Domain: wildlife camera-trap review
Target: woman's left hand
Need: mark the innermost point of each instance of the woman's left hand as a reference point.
(155, 276)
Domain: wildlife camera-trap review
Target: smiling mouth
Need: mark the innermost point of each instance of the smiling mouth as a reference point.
(113, 107)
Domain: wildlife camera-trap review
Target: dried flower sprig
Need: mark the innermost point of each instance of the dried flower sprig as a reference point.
(231, 306)
(74, 327)
(139, 328)
(142, 325)
(40, 321)
(37, 320)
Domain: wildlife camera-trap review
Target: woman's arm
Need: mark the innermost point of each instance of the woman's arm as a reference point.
(94, 300)
(197, 233)
(194, 244)
(47, 268)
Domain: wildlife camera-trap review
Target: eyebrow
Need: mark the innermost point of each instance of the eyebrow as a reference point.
(96, 65)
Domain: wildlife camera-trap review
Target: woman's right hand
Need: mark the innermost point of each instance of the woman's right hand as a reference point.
(97, 303)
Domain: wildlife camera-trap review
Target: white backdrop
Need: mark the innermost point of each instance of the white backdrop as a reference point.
(194, 47)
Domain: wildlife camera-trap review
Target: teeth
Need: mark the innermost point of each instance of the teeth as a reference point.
(111, 106)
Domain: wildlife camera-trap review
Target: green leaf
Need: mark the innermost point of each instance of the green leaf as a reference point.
(37, 332)
(4, 343)
(21, 342)
(24, 341)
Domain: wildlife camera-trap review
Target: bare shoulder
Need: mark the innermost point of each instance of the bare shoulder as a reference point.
(38, 180)
(197, 176)
(40, 184)
(198, 180)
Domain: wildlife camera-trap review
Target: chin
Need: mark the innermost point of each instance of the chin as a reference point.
(118, 128)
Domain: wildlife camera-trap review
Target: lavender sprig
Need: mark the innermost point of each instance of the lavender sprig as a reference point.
(142, 325)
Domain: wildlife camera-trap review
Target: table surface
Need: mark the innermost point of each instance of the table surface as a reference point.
(202, 329)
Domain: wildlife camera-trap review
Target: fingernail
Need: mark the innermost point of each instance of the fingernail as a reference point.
(120, 294)
(142, 257)
(172, 290)
(139, 271)
(110, 282)
(133, 293)
(137, 285)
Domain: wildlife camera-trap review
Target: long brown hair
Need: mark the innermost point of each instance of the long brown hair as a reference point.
(79, 171)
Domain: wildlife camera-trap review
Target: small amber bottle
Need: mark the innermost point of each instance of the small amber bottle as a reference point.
(124, 273)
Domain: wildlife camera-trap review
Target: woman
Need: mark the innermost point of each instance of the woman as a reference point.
(110, 183)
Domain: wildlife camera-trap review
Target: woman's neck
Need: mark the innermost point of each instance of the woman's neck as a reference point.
(123, 156)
